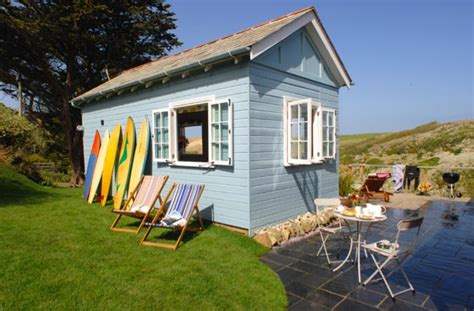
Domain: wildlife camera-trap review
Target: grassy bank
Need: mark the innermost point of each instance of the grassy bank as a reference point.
(57, 252)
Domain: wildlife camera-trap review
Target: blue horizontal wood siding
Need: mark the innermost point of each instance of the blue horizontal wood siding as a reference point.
(226, 197)
(279, 193)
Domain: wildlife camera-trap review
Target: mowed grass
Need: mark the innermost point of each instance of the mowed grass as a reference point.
(57, 252)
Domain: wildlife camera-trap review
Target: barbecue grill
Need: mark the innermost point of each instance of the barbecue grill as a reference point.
(451, 179)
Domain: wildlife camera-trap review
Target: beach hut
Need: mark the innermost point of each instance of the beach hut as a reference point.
(253, 116)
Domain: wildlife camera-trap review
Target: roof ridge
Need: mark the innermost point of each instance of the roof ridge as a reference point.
(308, 8)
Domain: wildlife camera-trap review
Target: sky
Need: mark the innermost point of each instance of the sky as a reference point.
(411, 60)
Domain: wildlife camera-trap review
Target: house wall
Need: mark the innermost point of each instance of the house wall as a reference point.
(278, 193)
(226, 197)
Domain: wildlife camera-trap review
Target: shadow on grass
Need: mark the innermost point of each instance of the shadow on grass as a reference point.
(167, 235)
(27, 197)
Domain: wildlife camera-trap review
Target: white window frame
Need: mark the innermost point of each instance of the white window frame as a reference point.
(334, 135)
(315, 129)
(229, 142)
(160, 111)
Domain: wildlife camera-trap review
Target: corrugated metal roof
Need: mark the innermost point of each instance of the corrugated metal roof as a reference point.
(239, 41)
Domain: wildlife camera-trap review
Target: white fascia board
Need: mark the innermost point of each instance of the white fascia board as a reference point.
(318, 37)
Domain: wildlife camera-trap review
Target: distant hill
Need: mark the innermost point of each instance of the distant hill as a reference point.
(449, 144)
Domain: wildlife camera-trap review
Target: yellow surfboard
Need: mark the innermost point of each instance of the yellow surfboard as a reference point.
(110, 159)
(140, 157)
(99, 167)
(125, 161)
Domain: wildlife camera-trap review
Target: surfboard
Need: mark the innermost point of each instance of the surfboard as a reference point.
(109, 165)
(125, 161)
(91, 163)
(140, 157)
(99, 167)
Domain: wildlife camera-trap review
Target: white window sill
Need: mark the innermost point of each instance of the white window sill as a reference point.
(192, 164)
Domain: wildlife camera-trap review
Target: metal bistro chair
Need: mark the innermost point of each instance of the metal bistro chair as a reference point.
(395, 253)
(324, 231)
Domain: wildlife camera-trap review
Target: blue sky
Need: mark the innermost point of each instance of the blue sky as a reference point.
(411, 60)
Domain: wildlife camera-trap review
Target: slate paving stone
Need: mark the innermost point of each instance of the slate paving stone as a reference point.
(273, 265)
(288, 275)
(292, 299)
(367, 296)
(444, 302)
(304, 305)
(306, 267)
(398, 305)
(299, 289)
(282, 260)
(324, 298)
(353, 305)
(316, 279)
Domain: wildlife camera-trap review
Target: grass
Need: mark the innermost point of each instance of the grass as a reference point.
(57, 252)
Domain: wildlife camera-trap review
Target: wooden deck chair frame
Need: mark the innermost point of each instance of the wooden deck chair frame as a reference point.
(184, 229)
(379, 193)
(139, 215)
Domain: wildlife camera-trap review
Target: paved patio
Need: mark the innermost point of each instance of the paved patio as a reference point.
(441, 269)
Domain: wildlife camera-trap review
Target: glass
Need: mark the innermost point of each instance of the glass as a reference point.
(158, 119)
(157, 135)
(325, 118)
(164, 132)
(294, 113)
(303, 150)
(331, 118)
(164, 118)
(325, 133)
(224, 132)
(294, 150)
(215, 151)
(215, 132)
(165, 151)
(224, 112)
(294, 131)
(303, 112)
(325, 149)
(331, 134)
(158, 151)
(331, 149)
(214, 113)
(193, 140)
(303, 131)
(224, 151)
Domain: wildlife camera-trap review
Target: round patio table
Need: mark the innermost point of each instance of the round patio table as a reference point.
(359, 221)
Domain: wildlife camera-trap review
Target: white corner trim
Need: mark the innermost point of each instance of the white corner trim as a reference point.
(192, 101)
(269, 41)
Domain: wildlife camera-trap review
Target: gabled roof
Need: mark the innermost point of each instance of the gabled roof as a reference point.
(253, 41)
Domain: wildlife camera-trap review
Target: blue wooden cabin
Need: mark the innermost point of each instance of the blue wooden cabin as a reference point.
(253, 115)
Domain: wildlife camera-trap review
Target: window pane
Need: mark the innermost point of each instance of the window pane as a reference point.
(303, 150)
(224, 151)
(157, 136)
(215, 113)
(158, 151)
(294, 150)
(331, 149)
(164, 132)
(325, 133)
(165, 151)
(294, 114)
(331, 134)
(325, 149)
(224, 132)
(303, 112)
(304, 131)
(331, 118)
(215, 132)
(224, 112)
(215, 151)
(164, 118)
(325, 118)
(294, 132)
(157, 119)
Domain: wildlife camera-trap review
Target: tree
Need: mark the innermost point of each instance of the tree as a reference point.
(60, 49)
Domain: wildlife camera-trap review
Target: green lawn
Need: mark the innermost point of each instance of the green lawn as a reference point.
(57, 252)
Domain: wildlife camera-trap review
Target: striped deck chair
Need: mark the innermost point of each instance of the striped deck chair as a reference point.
(141, 202)
(184, 203)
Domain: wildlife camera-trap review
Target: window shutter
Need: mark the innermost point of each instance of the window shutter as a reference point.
(317, 134)
(220, 132)
(328, 133)
(299, 115)
(161, 135)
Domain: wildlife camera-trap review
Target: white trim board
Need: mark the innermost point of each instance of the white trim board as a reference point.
(319, 38)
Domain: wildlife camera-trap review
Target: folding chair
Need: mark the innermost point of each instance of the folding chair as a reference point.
(373, 187)
(184, 202)
(141, 202)
(395, 253)
(324, 231)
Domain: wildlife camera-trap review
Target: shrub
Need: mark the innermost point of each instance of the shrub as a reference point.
(374, 161)
(346, 179)
(434, 161)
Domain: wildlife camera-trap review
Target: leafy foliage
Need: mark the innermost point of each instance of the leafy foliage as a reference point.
(60, 49)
